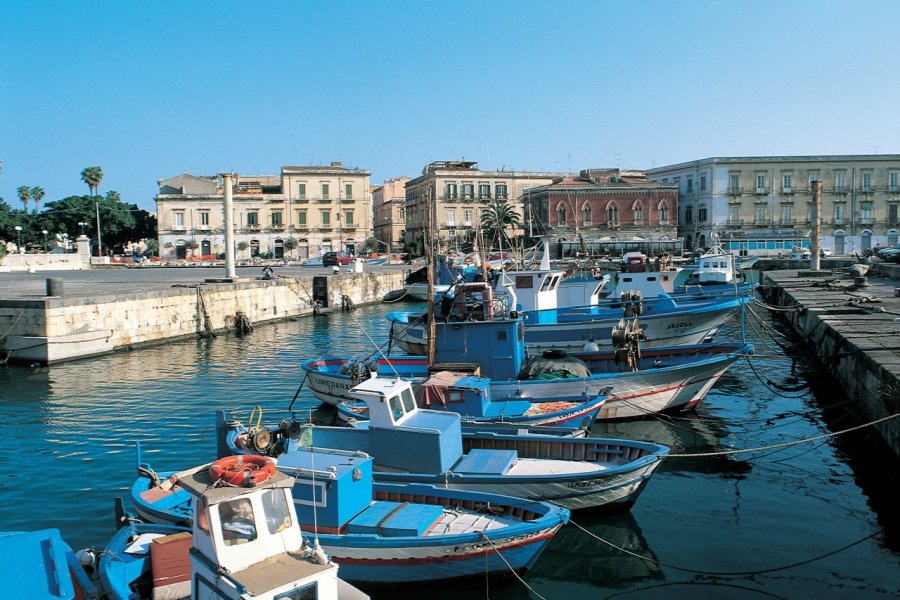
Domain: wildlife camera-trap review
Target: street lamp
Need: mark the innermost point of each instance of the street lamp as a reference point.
(82, 224)
(18, 229)
(45, 232)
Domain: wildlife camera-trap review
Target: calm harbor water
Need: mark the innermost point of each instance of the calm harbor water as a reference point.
(816, 520)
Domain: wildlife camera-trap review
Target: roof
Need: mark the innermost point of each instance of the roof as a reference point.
(196, 482)
(737, 160)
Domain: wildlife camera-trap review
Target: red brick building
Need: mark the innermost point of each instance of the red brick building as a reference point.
(604, 203)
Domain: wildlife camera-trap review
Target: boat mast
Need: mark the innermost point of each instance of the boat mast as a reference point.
(430, 257)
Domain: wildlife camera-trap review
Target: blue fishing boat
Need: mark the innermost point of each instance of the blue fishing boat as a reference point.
(414, 445)
(393, 534)
(39, 564)
(244, 542)
(470, 396)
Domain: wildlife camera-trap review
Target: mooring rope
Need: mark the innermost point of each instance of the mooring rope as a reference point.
(377, 347)
(509, 566)
(728, 573)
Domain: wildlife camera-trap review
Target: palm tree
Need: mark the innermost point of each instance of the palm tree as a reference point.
(497, 216)
(24, 193)
(113, 196)
(92, 177)
(38, 194)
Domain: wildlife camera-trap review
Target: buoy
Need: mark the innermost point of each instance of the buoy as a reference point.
(242, 470)
(591, 346)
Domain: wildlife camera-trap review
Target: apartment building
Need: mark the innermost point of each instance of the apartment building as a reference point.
(389, 209)
(763, 206)
(457, 191)
(302, 212)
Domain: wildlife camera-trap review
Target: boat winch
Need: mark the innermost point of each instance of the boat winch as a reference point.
(632, 303)
(626, 339)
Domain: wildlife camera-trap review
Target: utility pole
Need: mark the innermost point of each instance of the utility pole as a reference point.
(229, 226)
(817, 224)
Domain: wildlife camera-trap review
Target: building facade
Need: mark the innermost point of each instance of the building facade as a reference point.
(599, 207)
(763, 205)
(389, 209)
(457, 191)
(317, 208)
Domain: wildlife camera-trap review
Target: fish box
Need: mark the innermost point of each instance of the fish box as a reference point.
(396, 519)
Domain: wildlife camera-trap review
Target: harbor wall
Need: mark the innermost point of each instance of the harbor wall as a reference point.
(850, 343)
(51, 329)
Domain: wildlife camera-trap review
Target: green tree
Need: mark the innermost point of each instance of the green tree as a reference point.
(192, 245)
(152, 247)
(290, 244)
(24, 194)
(92, 176)
(242, 246)
(497, 216)
(38, 194)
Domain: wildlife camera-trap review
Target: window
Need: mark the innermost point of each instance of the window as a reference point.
(484, 190)
(326, 218)
(865, 240)
(892, 214)
(253, 218)
(701, 214)
(276, 218)
(892, 235)
(402, 212)
(348, 218)
(663, 213)
(812, 177)
(468, 191)
(690, 184)
(760, 183)
(703, 183)
(761, 214)
(638, 212)
(867, 181)
(839, 213)
(501, 193)
(179, 218)
(348, 191)
(787, 214)
(612, 215)
(451, 217)
(787, 182)
(238, 524)
(204, 217)
(893, 181)
(301, 218)
(688, 214)
(275, 508)
(586, 214)
(325, 191)
(301, 191)
(840, 181)
(734, 214)
(451, 190)
(866, 208)
(734, 183)
(468, 216)
(396, 407)
(409, 402)
(561, 215)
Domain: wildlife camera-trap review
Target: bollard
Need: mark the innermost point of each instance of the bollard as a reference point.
(55, 286)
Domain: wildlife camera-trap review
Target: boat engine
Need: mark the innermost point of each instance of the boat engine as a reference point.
(632, 303)
(626, 339)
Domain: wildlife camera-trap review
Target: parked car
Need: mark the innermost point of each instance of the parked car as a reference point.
(825, 252)
(336, 258)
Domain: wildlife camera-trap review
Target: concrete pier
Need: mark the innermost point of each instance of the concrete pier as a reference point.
(853, 332)
(94, 316)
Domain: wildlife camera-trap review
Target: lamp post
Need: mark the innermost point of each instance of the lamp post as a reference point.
(45, 232)
(99, 243)
(82, 224)
(18, 229)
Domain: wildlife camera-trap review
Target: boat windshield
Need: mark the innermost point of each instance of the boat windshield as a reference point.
(396, 407)
(275, 505)
(409, 402)
(238, 524)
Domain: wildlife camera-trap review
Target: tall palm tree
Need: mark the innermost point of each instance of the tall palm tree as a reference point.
(92, 177)
(38, 194)
(497, 216)
(24, 194)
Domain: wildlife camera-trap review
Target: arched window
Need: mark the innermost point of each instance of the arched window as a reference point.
(865, 240)
(638, 211)
(892, 236)
(561, 215)
(839, 242)
(612, 214)
(663, 213)
(586, 213)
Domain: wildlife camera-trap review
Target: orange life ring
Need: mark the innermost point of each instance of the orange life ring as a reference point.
(242, 470)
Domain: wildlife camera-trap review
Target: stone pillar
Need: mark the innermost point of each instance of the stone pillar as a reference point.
(83, 246)
(229, 226)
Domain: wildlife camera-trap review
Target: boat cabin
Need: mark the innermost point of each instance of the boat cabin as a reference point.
(404, 436)
(467, 395)
(714, 266)
(247, 542)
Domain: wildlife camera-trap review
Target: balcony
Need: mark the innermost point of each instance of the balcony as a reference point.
(787, 191)
(734, 190)
(300, 227)
(839, 189)
(867, 220)
(278, 227)
(323, 199)
(734, 223)
(788, 223)
(348, 200)
(867, 189)
(252, 226)
(302, 200)
(761, 191)
(839, 221)
(761, 223)
(894, 189)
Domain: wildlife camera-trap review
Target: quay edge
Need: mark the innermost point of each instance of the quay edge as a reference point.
(49, 329)
(852, 334)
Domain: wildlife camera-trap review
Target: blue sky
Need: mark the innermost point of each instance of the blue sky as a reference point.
(147, 90)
